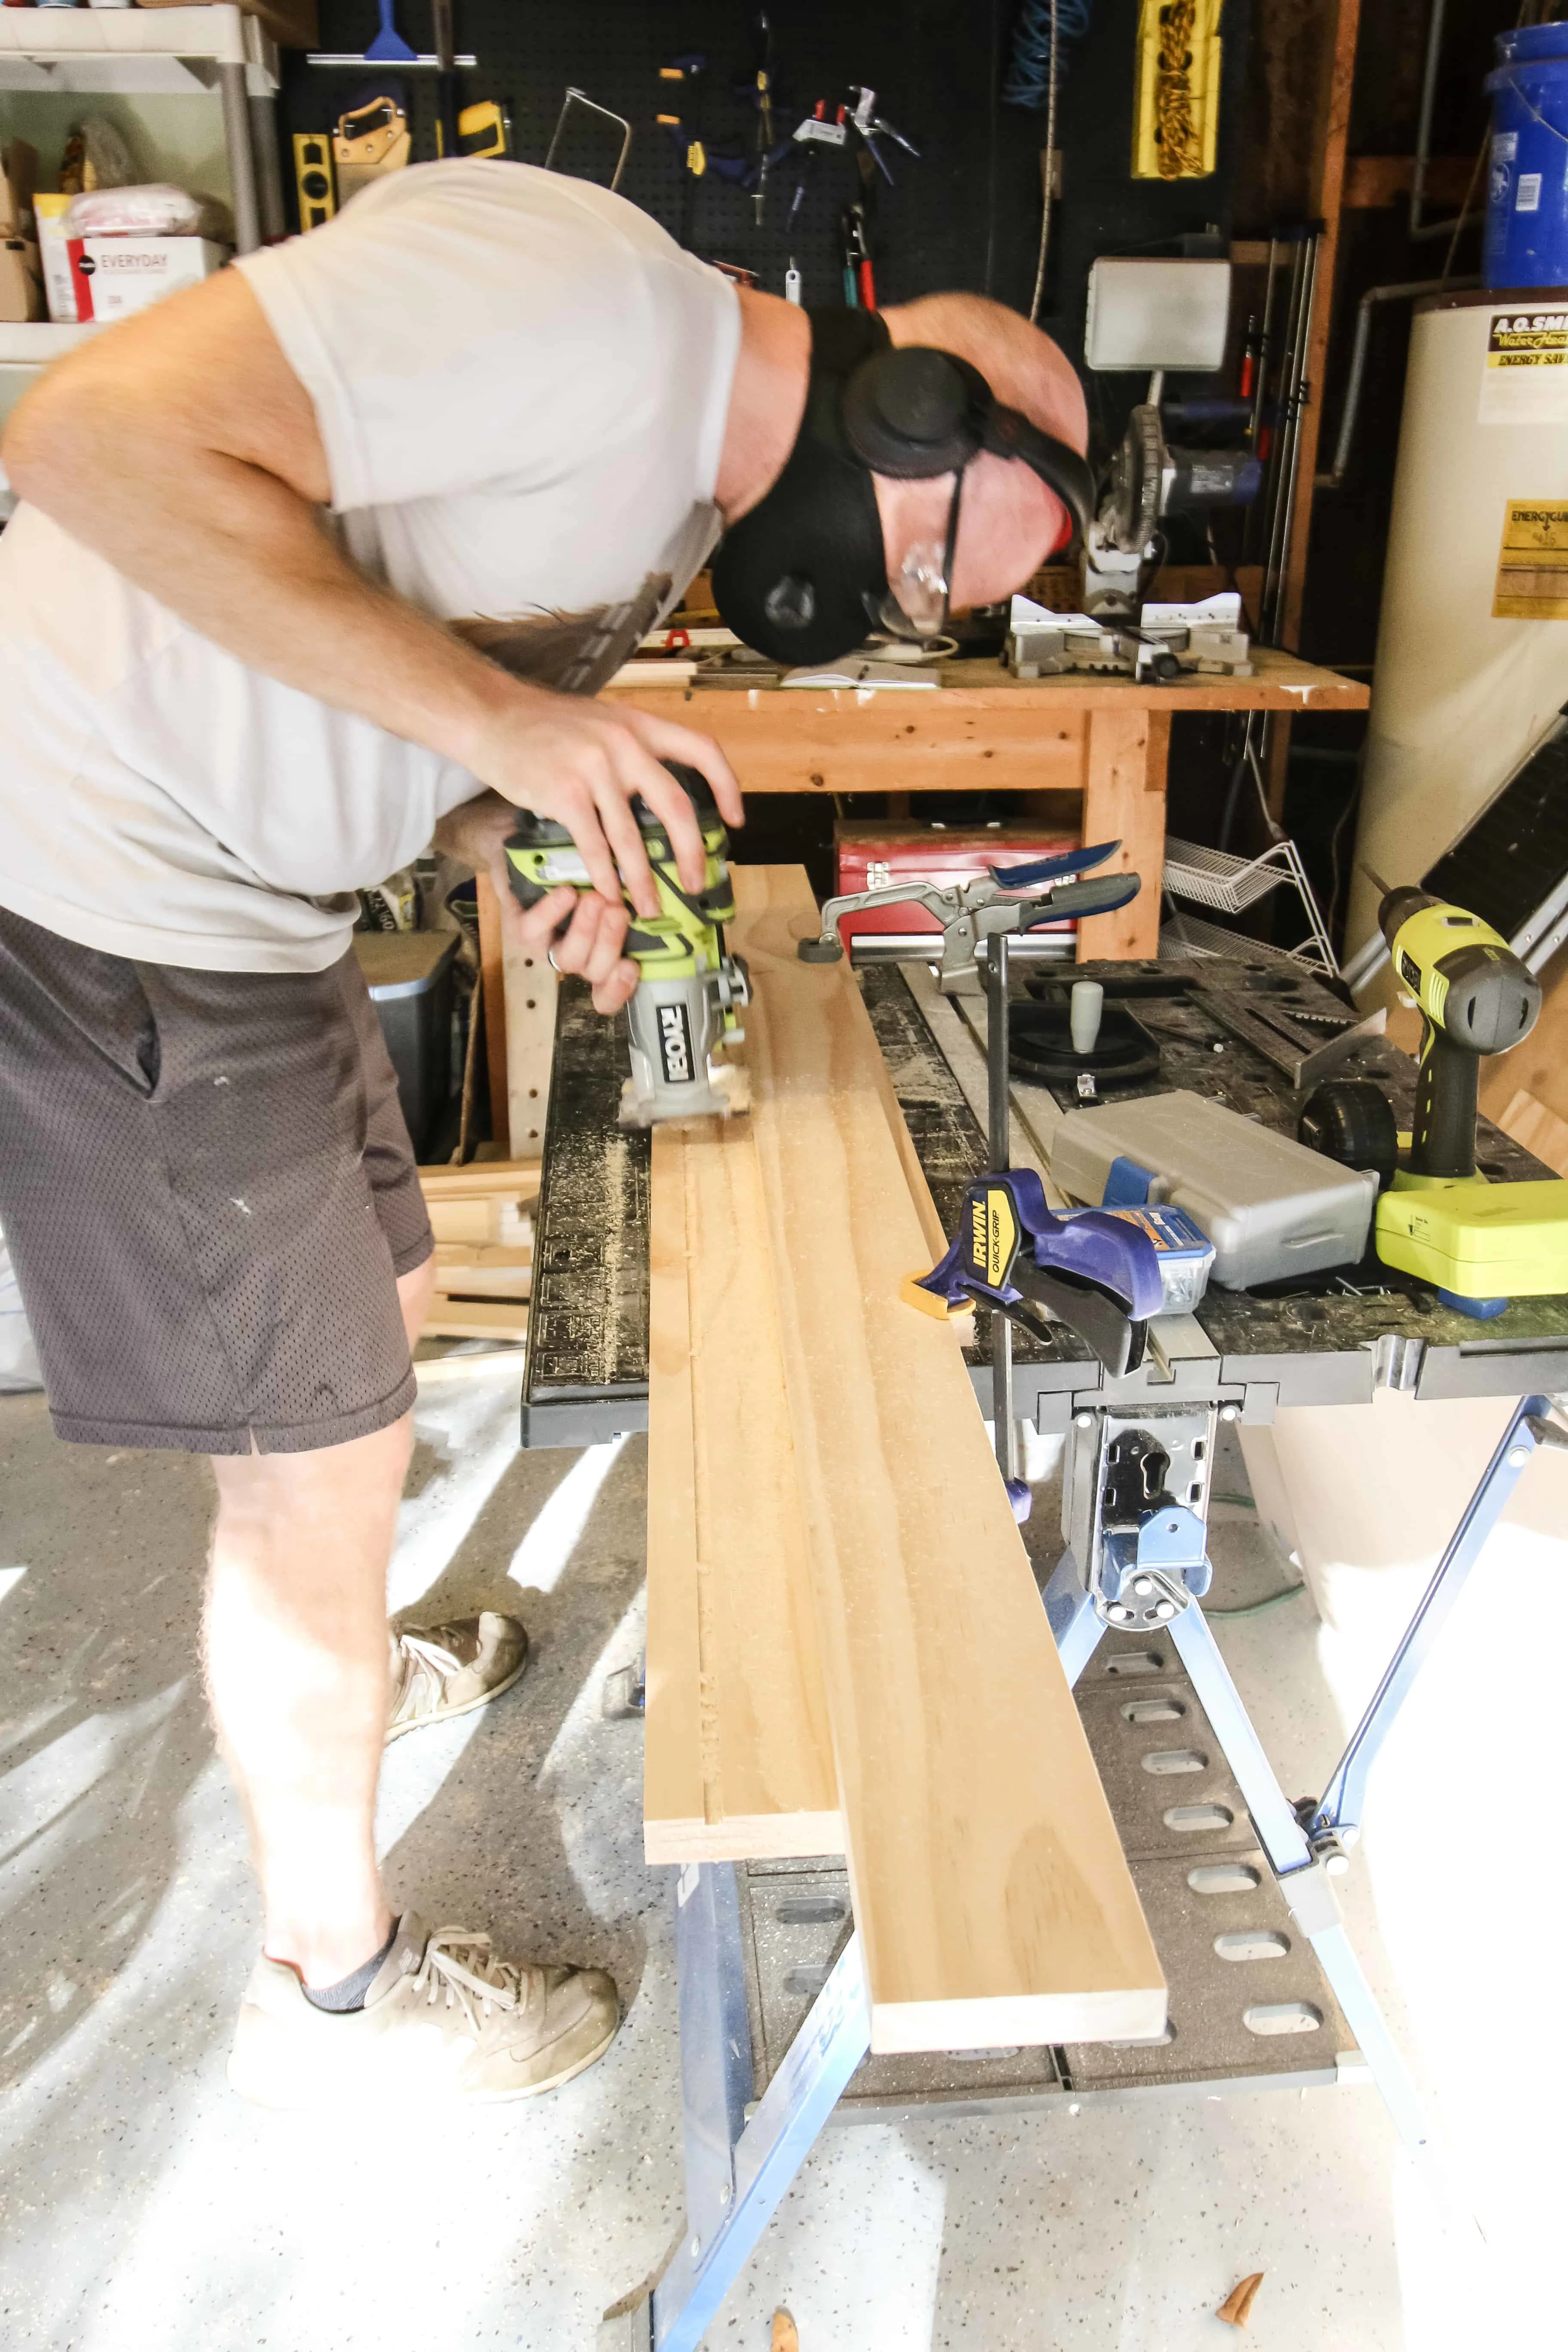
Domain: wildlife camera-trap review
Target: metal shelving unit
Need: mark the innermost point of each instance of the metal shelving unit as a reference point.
(141, 52)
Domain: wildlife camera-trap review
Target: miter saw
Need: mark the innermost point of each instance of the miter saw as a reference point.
(1149, 479)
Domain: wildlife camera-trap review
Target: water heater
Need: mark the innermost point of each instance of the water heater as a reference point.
(1472, 648)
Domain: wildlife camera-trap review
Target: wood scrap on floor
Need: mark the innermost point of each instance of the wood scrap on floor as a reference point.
(481, 1216)
(992, 1897)
(1236, 2308)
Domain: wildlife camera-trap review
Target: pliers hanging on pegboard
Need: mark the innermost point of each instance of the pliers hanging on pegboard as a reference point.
(859, 285)
(874, 126)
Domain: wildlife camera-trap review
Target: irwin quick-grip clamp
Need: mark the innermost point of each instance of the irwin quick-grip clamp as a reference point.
(1103, 1272)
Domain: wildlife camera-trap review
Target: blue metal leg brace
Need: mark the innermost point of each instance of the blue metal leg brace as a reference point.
(1306, 1851)
(737, 2172)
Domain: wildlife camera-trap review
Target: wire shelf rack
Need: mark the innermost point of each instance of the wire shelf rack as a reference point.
(1230, 886)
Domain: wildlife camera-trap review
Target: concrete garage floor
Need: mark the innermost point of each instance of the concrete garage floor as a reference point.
(142, 2207)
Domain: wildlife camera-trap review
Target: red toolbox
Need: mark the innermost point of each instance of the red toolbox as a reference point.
(871, 856)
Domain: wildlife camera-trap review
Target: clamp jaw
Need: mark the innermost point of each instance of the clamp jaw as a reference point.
(1005, 899)
(1091, 1269)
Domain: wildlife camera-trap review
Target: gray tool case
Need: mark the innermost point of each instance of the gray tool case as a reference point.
(1271, 1207)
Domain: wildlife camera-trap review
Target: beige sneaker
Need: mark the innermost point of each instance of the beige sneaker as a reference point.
(445, 2020)
(444, 1670)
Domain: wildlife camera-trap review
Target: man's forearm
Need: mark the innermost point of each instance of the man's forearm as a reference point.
(243, 559)
(181, 447)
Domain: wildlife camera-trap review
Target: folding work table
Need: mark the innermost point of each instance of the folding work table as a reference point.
(1234, 1880)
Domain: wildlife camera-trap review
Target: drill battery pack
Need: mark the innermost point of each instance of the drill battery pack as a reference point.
(1480, 1244)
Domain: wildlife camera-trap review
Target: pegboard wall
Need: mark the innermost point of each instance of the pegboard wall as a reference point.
(966, 214)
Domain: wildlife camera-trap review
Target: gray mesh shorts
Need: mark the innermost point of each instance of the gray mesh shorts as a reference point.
(208, 1192)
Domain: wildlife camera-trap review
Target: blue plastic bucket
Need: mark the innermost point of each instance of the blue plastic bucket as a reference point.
(1527, 185)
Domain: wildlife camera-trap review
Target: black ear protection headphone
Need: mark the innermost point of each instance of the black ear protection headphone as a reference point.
(912, 412)
(803, 576)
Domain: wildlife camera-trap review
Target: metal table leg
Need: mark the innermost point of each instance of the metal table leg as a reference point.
(736, 2175)
(1303, 1848)
(1303, 1880)
(1339, 1816)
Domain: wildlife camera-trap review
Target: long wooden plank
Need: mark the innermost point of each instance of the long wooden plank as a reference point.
(991, 1896)
(738, 1756)
(738, 1752)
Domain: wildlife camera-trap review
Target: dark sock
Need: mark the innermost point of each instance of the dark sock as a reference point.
(342, 1999)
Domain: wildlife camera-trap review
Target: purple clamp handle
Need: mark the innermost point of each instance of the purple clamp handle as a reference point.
(1089, 1245)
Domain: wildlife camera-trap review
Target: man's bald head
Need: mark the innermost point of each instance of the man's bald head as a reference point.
(1024, 368)
(1009, 522)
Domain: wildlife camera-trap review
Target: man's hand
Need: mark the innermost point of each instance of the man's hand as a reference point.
(595, 927)
(582, 762)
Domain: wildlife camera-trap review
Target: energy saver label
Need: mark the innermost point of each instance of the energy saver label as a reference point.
(1533, 563)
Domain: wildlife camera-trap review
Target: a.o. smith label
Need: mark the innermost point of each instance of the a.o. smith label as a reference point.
(1525, 379)
(1533, 563)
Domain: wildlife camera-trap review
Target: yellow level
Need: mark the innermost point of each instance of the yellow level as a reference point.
(313, 178)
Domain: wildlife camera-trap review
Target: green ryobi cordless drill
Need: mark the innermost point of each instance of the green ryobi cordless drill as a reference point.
(1480, 1243)
(690, 992)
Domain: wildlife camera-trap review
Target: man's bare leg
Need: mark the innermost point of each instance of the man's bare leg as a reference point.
(298, 1661)
(297, 1664)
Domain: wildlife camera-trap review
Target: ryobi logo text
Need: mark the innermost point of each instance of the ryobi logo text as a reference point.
(675, 1045)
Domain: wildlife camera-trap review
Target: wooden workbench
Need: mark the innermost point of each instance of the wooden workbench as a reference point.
(984, 730)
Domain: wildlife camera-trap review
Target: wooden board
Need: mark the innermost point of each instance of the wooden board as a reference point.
(1371, 182)
(778, 725)
(511, 1179)
(738, 1756)
(476, 1318)
(488, 1219)
(1125, 801)
(529, 985)
(793, 740)
(994, 1902)
(470, 1270)
(492, 997)
(1337, 76)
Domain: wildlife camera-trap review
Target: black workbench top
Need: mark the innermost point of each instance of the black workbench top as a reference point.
(1348, 1333)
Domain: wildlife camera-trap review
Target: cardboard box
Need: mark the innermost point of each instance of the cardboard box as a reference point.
(18, 178)
(293, 24)
(21, 281)
(114, 277)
